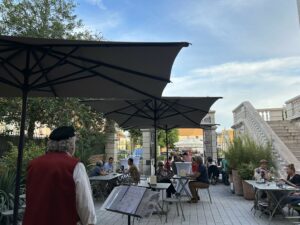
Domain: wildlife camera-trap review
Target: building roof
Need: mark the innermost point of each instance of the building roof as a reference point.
(190, 132)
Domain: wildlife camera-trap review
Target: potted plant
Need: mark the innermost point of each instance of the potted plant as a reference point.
(244, 150)
(233, 156)
(245, 171)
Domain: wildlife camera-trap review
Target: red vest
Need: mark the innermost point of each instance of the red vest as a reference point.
(50, 191)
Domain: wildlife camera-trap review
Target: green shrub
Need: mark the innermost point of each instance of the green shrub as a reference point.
(244, 150)
(31, 151)
(8, 165)
(246, 171)
(7, 182)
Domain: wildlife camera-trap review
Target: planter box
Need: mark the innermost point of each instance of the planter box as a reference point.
(248, 191)
(230, 178)
(237, 183)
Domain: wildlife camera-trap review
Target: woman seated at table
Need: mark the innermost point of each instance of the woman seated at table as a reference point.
(163, 176)
(262, 172)
(200, 179)
(293, 180)
(98, 170)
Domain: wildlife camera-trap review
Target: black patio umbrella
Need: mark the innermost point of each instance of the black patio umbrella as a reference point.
(167, 112)
(65, 68)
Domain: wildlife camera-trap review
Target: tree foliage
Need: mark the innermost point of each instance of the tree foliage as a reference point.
(172, 137)
(135, 136)
(43, 19)
(49, 19)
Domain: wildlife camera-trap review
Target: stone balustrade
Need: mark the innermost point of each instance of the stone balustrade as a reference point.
(271, 114)
(248, 121)
(293, 108)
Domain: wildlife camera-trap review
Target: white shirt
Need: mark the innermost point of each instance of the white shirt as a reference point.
(84, 200)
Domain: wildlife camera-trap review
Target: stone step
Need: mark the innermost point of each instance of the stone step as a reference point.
(296, 153)
(286, 127)
(293, 147)
(289, 136)
(283, 133)
(296, 132)
(290, 142)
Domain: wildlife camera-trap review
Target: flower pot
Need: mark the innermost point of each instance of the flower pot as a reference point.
(237, 183)
(230, 178)
(248, 191)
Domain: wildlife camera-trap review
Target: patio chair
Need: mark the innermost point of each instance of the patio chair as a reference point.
(177, 200)
(208, 192)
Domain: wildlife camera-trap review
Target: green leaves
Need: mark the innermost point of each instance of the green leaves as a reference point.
(43, 18)
(172, 137)
(245, 150)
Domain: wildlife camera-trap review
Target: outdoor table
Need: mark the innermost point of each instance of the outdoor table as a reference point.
(271, 188)
(183, 181)
(160, 187)
(108, 181)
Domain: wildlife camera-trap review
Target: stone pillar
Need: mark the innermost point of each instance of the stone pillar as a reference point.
(147, 150)
(111, 146)
(210, 143)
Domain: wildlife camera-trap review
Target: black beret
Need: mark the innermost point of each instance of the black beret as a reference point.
(62, 133)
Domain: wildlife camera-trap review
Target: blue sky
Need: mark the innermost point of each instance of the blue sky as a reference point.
(241, 50)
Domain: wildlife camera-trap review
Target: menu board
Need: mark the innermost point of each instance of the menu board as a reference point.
(132, 200)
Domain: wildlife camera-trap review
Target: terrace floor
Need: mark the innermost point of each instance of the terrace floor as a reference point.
(226, 209)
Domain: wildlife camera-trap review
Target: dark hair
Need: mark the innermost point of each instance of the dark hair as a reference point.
(130, 160)
(185, 153)
(99, 163)
(209, 159)
(110, 158)
(292, 167)
(170, 158)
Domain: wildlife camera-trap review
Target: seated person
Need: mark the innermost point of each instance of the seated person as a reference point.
(186, 157)
(224, 166)
(213, 171)
(173, 165)
(98, 170)
(133, 171)
(292, 179)
(163, 176)
(200, 179)
(262, 172)
(194, 165)
(108, 166)
(121, 169)
(168, 163)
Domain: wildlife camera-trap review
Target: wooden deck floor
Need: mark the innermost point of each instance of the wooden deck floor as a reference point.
(226, 209)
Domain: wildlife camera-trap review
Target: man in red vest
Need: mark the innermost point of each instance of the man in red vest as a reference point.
(58, 190)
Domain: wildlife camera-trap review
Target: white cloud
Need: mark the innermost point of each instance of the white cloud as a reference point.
(214, 16)
(267, 83)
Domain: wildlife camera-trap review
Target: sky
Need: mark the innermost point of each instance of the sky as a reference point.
(240, 50)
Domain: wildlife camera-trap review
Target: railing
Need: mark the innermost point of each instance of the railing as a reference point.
(247, 120)
(271, 114)
(293, 108)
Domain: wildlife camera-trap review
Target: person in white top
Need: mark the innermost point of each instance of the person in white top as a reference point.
(58, 168)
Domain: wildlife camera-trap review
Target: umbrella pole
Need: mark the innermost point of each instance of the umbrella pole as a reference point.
(167, 144)
(155, 138)
(20, 157)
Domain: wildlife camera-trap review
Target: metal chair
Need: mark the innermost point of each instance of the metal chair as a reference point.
(177, 201)
(207, 192)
